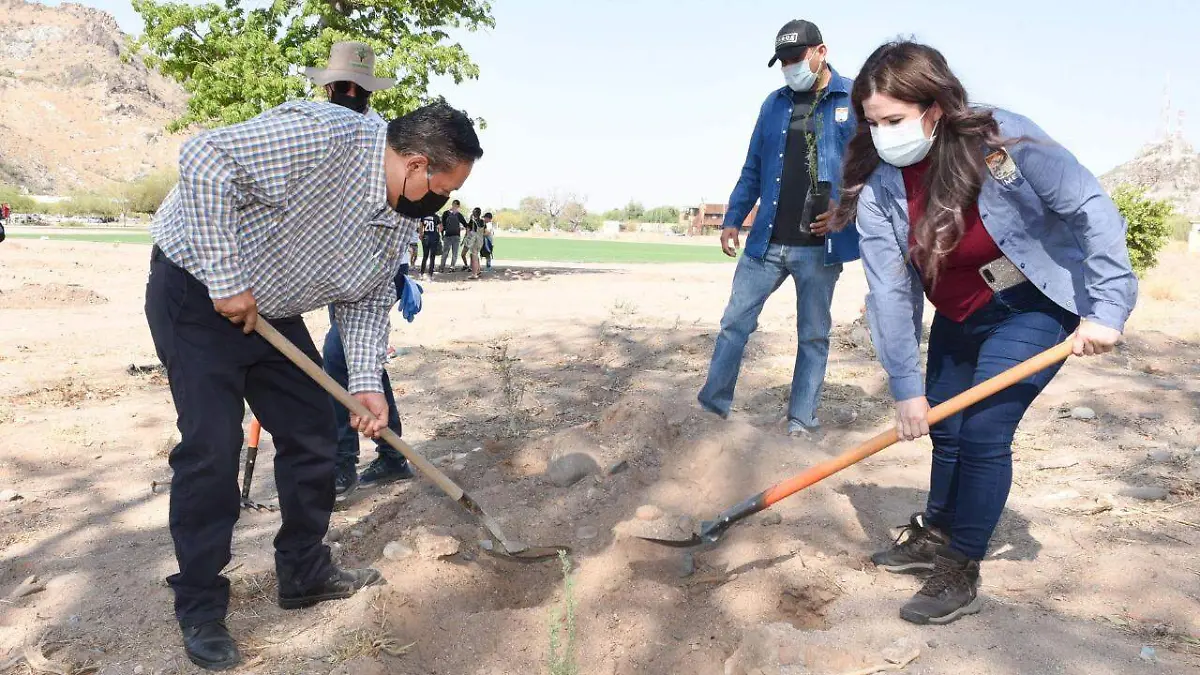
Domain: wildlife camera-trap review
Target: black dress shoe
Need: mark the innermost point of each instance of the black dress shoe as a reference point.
(340, 584)
(210, 646)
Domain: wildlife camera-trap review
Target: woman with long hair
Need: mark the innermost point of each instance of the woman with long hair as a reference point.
(1016, 246)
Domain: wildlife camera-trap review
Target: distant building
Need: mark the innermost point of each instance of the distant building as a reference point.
(707, 218)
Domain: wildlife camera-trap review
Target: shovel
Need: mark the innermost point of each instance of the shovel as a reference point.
(503, 546)
(248, 469)
(710, 530)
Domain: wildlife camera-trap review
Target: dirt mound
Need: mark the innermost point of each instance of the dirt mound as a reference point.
(639, 422)
(44, 296)
(68, 391)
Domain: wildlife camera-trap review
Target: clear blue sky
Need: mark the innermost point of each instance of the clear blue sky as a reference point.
(655, 99)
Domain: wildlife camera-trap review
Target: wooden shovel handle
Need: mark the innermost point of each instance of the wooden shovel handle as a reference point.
(293, 353)
(938, 413)
(255, 433)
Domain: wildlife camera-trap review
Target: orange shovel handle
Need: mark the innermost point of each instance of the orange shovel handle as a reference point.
(938, 413)
(254, 434)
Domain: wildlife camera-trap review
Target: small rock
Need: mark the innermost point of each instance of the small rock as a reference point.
(1083, 413)
(138, 670)
(1161, 456)
(898, 651)
(467, 554)
(396, 550)
(932, 644)
(569, 469)
(434, 544)
(586, 532)
(486, 544)
(1148, 654)
(771, 518)
(458, 467)
(356, 533)
(334, 534)
(1151, 415)
(687, 565)
(616, 467)
(1146, 494)
(649, 512)
(9, 496)
(30, 586)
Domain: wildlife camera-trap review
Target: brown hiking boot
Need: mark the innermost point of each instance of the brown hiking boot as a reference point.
(950, 593)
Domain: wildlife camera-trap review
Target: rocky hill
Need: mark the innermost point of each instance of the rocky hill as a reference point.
(77, 112)
(1168, 169)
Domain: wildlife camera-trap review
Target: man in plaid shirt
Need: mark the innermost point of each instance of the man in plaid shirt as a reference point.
(280, 215)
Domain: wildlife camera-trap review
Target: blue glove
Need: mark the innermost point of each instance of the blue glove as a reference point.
(410, 299)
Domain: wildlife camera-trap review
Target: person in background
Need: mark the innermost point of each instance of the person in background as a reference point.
(1016, 246)
(489, 242)
(349, 82)
(280, 215)
(474, 242)
(474, 225)
(5, 214)
(813, 106)
(431, 244)
(452, 227)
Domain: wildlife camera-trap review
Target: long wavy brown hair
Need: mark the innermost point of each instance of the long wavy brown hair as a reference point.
(917, 73)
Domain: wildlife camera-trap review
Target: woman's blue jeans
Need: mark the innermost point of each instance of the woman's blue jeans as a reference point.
(972, 451)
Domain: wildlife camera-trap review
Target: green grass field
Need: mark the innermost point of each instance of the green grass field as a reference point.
(540, 250)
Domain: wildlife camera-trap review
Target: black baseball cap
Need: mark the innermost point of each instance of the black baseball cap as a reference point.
(794, 39)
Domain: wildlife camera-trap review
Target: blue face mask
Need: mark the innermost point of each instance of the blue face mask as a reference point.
(799, 76)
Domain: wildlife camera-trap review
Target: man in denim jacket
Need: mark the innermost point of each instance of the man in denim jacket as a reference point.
(790, 235)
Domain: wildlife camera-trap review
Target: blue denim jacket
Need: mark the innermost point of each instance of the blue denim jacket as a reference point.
(763, 172)
(1052, 219)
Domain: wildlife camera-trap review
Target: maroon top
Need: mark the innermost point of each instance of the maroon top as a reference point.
(960, 289)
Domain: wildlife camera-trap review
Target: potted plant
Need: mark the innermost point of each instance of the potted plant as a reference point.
(820, 192)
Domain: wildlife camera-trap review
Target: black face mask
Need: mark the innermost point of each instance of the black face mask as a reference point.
(425, 206)
(358, 101)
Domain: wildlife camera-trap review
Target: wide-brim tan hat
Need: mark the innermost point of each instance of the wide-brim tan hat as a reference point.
(350, 62)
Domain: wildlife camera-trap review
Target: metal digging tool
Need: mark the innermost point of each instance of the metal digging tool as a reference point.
(507, 548)
(710, 530)
(248, 469)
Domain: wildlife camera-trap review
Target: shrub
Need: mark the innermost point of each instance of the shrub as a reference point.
(88, 204)
(1180, 226)
(145, 195)
(20, 203)
(591, 223)
(1148, 229)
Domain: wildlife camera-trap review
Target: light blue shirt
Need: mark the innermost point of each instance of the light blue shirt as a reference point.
(1051, 218)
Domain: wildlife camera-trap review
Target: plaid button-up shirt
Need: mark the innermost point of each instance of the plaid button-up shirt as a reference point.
(292, 205)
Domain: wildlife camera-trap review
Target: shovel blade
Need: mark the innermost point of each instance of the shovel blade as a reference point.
(516, 550)
(707, 533)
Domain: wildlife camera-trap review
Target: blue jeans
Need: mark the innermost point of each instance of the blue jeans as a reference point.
(753, 282)
(334, 354)
(972, 451)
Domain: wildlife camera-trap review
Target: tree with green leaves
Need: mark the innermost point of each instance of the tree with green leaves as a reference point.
(662, 214)
(1148, 230)
(238, 59)
(634, 211)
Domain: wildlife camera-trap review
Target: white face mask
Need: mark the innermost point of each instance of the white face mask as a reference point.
(799, 76)
(904, 144)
